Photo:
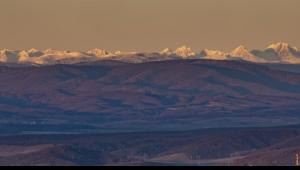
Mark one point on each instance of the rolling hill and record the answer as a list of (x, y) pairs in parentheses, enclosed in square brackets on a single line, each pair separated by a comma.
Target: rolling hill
[(165, 95), (225, 146)]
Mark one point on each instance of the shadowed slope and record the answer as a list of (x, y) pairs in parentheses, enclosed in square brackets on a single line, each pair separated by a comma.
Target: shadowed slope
[(178, 94)]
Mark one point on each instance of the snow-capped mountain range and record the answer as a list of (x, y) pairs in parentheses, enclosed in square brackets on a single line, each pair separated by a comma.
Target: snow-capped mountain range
[(274, 53)]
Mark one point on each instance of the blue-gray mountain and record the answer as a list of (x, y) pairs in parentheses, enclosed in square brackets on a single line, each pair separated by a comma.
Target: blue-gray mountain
[(180, 95)]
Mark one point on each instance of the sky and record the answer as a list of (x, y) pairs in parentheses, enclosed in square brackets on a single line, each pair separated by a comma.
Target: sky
[(147, 25)]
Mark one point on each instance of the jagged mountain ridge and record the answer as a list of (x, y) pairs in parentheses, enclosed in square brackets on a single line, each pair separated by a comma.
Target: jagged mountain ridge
[(274, 53)]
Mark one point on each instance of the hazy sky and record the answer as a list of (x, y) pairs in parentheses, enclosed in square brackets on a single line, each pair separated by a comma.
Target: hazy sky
[(146, 25)]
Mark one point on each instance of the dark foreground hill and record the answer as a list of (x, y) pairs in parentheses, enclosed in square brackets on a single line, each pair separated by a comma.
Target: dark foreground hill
[(235, 146), (168, 95)]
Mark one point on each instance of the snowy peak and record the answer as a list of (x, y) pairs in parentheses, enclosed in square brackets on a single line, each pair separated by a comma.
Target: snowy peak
[(7, 52), (275, 53), (9, 56), (283, 49), (285, 52), (50, 51), (62, 54), (3, 57), (98, 52), (23, 56), (33, 50), (240, 51), (167, 51), (243, 53), (214, 54), (184, 52)]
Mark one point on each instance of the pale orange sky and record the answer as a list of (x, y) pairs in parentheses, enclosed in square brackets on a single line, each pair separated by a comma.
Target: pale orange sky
[(147, 25)]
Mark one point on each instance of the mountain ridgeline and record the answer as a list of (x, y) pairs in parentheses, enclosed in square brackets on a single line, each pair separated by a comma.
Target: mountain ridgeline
[(282, 53)]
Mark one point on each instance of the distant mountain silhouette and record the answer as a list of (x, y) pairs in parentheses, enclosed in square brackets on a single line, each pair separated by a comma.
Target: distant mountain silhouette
[(275, 53)]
